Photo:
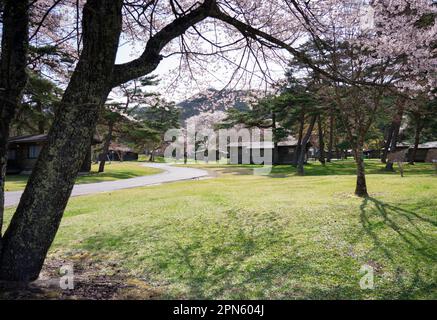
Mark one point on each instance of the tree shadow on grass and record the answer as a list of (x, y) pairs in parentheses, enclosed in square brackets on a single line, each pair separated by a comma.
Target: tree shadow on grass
[(376, 215), (337, 168), (249, 256)]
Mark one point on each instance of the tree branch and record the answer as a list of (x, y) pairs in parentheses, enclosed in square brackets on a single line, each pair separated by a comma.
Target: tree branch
[(150, 58)]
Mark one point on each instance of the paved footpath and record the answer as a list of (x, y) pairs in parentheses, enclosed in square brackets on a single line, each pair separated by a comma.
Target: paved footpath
[(170, 174)]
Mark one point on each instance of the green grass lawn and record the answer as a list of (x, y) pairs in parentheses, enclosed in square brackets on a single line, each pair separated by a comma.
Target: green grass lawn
[(113, 171), (281, 236)]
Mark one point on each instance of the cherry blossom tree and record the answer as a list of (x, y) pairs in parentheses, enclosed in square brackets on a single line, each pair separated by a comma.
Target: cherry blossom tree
[(200, 32), (202, 132)]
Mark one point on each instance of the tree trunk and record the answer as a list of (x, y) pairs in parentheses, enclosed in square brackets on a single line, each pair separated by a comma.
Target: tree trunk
[(36, 221), (300, 168), (13, 77), (106, 146), (152, 156), (417, 133), (361, 187), (41, 120), (331, 136), (86, 164), (299, 140), (321, 141), (275, 142), (387, 144), (396, 124)]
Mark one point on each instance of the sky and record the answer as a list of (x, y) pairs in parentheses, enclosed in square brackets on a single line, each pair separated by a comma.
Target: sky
[(214, 77)]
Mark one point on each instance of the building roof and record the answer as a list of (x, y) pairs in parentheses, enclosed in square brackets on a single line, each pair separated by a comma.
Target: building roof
[(29, 138), (289, 142), (253, 145), (403, 145), (118, 147), (428, 145), (40, 138)]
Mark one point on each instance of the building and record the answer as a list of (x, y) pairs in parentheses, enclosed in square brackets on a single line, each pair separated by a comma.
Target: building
[(120, 152), (426, 152), (23, 152), (243, 151)]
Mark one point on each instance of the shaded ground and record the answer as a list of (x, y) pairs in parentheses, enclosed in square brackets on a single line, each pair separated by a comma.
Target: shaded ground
[(92, 281)]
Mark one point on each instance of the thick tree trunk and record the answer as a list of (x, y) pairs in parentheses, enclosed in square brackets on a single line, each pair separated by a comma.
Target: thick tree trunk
[(361, 186), (36, 221), (418, 131), (331, 136), (321, 141), (300, 167), (300, 137), (106, 147), (13, 78), (396, 124)]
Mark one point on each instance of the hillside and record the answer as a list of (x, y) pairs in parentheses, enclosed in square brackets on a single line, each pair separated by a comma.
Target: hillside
[(214, 100)]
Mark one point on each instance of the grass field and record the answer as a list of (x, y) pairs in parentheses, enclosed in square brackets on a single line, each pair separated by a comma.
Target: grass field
[(281, 236), (113, 171)]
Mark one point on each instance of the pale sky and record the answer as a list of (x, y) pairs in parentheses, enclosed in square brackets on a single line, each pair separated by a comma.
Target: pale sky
[(213, 77)]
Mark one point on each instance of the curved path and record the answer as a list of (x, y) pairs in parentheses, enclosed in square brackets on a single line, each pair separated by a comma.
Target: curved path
[(170, 174)]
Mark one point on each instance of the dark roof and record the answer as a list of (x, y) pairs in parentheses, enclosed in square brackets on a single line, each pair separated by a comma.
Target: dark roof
[(29, 138), (34, 138)]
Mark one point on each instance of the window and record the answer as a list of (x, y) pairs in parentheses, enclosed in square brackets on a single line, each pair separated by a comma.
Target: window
[(34, 151), (12, 154)]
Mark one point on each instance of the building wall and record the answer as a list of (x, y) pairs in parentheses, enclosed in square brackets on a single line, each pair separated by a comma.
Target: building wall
[(431, 155), (22, 162), (421, 155), (285, 154)]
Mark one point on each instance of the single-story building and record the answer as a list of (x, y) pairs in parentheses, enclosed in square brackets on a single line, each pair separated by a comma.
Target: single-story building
[(285, 150), (426, 152), (120, 152), (23, 152)]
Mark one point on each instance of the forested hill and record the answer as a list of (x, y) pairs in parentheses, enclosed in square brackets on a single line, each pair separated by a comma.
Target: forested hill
[(214, 100)]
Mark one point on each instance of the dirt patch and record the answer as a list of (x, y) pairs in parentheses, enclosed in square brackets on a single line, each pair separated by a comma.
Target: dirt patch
[(91, 280)]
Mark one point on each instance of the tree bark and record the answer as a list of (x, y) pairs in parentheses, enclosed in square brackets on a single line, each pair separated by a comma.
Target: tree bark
[(106, 146), (86, 164), (387, 144), (418, 131), (41, 120), (275, 142), (152, 156), (299, 140), (13, 77), (36, 221), (396, 125), (321, 141), (361, 186), (300, 167), (331, 136)]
